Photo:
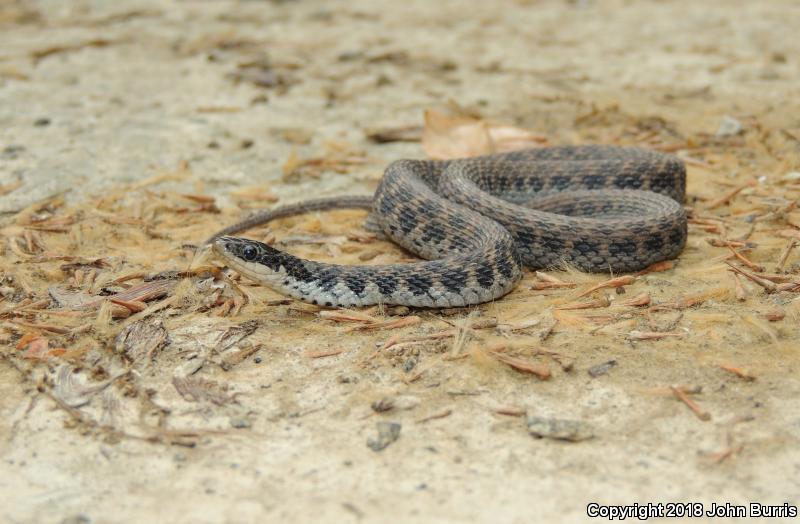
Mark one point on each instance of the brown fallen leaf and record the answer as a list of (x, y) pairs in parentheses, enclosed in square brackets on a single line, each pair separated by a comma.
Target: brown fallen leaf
[(447, 137)]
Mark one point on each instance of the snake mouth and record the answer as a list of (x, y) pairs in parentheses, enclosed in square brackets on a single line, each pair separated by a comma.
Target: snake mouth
[(225, 250), (221, 248)]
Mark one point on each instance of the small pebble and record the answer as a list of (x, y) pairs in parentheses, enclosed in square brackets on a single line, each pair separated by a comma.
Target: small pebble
[(559, 429), (13, 151), (729, 126), (347, 378), (240, 422), (406, 402), (601, 369), (388, 432), (81, 518), (383, 405)]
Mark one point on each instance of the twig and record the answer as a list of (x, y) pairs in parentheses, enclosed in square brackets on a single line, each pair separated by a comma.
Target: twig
[(691, 404), (741, 294), (322, 354), (511, 411), (724, 199), (747, 262), (741, 373), (785, 255), (770, 287), (442, 414), (592, 304), (654, 335)]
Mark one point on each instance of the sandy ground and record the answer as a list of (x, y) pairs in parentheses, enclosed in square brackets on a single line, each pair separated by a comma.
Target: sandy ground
[(124, 105)]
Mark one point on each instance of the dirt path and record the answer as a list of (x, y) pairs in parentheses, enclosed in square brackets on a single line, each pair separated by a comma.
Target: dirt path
[(122, 107)]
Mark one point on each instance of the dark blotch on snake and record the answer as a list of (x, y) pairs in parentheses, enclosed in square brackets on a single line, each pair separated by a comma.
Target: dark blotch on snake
[(621, 247), (594, 181), (419, 285), (654, 243), (485, 276), (387, 284), (454, 279), (355, 284)]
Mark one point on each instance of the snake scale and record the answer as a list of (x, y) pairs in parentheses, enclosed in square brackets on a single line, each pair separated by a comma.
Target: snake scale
[(477, 221)]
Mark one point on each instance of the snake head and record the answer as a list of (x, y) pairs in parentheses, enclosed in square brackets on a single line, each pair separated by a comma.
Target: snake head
[(260, 262)]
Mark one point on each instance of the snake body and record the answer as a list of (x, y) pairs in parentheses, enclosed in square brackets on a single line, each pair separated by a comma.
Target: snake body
[(478, 220)]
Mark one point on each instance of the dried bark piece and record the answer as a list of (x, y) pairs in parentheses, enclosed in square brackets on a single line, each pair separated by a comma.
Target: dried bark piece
[(198, 389), (140, 341)]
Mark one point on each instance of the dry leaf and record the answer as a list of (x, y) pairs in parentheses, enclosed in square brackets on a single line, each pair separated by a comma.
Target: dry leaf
[(459, 137)]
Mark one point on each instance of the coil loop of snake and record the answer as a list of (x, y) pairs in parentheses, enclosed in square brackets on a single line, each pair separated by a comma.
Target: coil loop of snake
[(477, 221)]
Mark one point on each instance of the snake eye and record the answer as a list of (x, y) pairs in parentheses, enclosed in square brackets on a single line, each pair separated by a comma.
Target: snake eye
[(249, 253)]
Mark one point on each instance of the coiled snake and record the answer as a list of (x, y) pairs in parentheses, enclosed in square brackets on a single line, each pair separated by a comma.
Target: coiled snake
[(476, 221)]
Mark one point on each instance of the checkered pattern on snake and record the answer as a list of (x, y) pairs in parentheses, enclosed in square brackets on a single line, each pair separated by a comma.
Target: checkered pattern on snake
[(477, 221)]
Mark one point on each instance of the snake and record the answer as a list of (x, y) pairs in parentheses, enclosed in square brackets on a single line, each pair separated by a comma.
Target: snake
[(477, 222)]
